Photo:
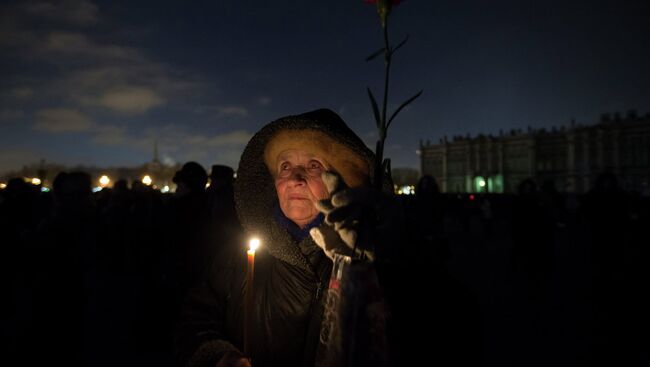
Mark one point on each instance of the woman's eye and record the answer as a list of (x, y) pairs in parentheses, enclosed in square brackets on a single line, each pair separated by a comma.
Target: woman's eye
[(315, 168)]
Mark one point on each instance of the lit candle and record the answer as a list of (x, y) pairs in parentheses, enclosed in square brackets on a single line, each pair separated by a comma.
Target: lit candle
[(248, 305)]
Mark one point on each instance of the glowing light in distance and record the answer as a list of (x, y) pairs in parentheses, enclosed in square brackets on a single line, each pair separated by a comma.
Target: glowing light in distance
[(104, 181)]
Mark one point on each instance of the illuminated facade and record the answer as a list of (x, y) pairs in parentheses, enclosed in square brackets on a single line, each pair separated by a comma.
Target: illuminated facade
[(569, 157)]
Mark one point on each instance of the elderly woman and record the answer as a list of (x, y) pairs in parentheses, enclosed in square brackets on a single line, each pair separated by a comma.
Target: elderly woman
[(280, 183)]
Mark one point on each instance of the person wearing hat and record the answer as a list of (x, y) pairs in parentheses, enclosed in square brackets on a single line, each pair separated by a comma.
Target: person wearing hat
[(283, 194), (221, 197), (224, 224), (191, 225), (190, 179)]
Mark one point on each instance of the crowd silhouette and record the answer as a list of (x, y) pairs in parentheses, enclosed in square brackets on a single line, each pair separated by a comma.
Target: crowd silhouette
[(96, 279), (540, 277)]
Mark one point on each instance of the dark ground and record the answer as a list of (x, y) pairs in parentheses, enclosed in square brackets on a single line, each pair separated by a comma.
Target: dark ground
[(96, 279)]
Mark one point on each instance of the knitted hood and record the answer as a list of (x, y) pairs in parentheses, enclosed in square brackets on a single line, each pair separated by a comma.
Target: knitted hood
[(255, 194)]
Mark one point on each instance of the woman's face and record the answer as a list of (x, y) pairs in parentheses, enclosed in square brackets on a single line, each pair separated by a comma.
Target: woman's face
[(299, 184)]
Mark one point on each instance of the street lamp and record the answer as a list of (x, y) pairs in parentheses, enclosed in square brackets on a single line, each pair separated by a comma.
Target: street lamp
[(104, 181), (147, 180)]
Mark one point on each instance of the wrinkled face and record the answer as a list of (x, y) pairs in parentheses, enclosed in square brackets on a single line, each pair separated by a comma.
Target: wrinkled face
[(299, 184)]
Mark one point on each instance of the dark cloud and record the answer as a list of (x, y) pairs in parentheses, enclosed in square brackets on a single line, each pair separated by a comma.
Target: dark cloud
[(13, 159), (74, 12), (11, 115), (62, 120)]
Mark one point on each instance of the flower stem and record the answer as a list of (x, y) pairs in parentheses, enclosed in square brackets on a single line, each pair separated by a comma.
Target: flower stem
[(383, 128), (387, 58)]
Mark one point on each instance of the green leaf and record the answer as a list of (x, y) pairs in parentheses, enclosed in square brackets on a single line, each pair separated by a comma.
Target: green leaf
[(400, 44), (375, 109), (387, 171), (377, 173), (375, 54), (386, 165), (406, 103)]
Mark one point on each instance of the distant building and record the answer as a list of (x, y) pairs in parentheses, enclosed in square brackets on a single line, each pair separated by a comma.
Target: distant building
[(161, 175), (404, 176), (570, 157)]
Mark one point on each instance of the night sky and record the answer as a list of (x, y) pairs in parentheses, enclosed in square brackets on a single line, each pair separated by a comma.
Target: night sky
[(96, 82)]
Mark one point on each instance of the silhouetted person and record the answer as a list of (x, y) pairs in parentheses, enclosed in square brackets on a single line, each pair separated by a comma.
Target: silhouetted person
[(427, 187), (224, 224), (64, 253), (191, 228), (149, 237), (20, 210), (606, 212), (533, 242), (453, 320), (20, 213), (605, 208), (116, 288), (220, 193), (487, 215), (191, 179), (552, 202), (428, 215), (532, 265)]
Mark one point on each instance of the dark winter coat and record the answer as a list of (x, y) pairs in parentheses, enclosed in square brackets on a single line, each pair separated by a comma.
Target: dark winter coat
[(289, 277)]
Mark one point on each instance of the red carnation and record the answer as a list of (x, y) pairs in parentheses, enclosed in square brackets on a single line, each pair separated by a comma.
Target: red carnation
[(392, 2), (383, 7)]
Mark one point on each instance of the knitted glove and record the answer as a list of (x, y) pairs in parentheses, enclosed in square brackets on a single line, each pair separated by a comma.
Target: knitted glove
[(356, 219)]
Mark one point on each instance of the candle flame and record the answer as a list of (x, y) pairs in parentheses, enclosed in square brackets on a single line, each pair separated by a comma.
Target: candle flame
[(254, 244)]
